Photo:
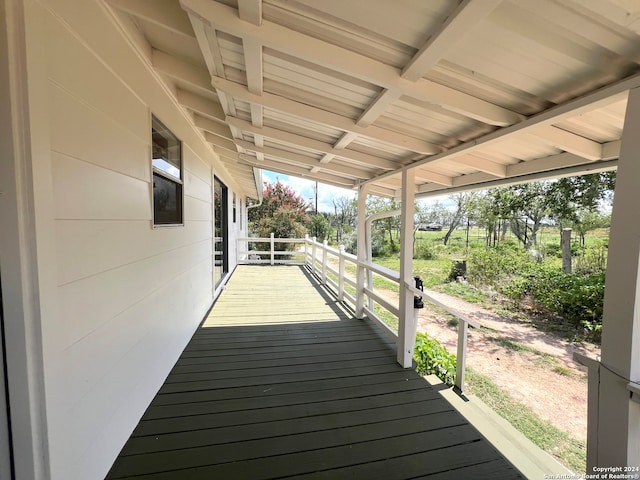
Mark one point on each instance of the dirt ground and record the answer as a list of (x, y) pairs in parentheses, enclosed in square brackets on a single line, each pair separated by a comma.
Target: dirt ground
[(529, 377), (555, 388)]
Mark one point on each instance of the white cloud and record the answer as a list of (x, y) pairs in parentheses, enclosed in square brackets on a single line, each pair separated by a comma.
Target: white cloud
[(306, 189), (327, 193)]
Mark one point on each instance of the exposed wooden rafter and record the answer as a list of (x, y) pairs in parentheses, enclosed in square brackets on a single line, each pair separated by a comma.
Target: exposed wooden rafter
[(457, 25), (348, 62), (597, 99), (311, 144), (324, 117), (429, 101)]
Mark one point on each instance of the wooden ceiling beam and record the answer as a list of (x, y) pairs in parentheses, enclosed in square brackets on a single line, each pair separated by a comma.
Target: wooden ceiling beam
[(311, 144), (219, 129), (170, 17), (324, 117), (303, 172), (422, 174), (199, 104), (586, 103), (250, 11), (347, 62), (552, 162), (196, 78), (219, 142), (303, 160), (458, 25), (484, 165), (569, 142)]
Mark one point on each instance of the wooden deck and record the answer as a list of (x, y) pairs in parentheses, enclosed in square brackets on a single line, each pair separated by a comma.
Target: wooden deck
[(282, 382)]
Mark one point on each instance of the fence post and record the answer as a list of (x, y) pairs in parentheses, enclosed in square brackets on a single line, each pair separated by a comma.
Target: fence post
[(462, 352), (341, 274), (272, 244), (324, 262), (566, 250), (306, 248), (313, 256)]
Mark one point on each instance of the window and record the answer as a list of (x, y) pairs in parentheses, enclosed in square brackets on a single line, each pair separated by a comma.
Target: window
[(167, 175)]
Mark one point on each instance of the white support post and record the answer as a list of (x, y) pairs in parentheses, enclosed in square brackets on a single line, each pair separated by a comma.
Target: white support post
[(618, 425), (324, 262), (362, 248), (407, 323), (272, 249), (341, 274)]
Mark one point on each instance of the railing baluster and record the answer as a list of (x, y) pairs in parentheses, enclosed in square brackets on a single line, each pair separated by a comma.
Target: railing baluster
[(306, 248), (313, 256), (272, 247), (366, 268), (461, 360), (324, 262), (341, 274)]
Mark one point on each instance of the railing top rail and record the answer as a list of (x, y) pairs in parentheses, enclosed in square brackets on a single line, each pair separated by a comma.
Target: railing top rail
[(275, 239), (448, 309), (586, 360), (384, 271), (351, 257)]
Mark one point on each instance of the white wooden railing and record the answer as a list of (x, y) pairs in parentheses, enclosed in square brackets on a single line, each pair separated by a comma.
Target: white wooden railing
[(321, 259)]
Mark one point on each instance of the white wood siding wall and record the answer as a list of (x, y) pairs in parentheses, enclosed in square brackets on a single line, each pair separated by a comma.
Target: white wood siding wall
[(124, 298)]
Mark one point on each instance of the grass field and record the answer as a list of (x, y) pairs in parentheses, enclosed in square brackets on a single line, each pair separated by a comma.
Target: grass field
[(459, 239)]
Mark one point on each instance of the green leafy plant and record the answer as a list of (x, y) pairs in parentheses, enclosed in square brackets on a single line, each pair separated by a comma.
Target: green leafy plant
[(434, 359), (425, 252)]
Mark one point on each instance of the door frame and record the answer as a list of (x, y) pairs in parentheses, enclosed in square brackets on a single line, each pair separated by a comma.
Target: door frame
[(23, 136), (224, 233), (7, 468)]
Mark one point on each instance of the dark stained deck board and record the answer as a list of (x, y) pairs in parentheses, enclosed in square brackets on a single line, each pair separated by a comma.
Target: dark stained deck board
[(231, 363), (263, 428), (284, 383), (248, 403), (197, 375), (295, 412)]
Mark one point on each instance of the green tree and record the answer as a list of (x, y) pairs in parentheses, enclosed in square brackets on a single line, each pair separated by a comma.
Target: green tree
[(586, 220), (388, 224), (344, 217), (462, 203), (282, 212), (319, 226), (276, 196), (486, 214), (282, 224), (568, 196), (528, 204)]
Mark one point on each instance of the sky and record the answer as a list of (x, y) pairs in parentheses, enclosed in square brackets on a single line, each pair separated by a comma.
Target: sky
[(326, 193), (305, 188)]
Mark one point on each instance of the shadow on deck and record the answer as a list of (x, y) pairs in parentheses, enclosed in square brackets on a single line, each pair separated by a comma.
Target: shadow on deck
[(281, 381)]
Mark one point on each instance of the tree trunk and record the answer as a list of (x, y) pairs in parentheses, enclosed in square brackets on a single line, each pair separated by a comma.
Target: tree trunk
[(448, 234)]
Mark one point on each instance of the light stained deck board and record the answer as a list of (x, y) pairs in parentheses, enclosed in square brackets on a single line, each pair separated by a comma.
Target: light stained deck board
[(286, 383)]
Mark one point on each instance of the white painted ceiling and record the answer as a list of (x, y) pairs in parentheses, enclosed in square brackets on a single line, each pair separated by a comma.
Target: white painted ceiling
[(469, 94)]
